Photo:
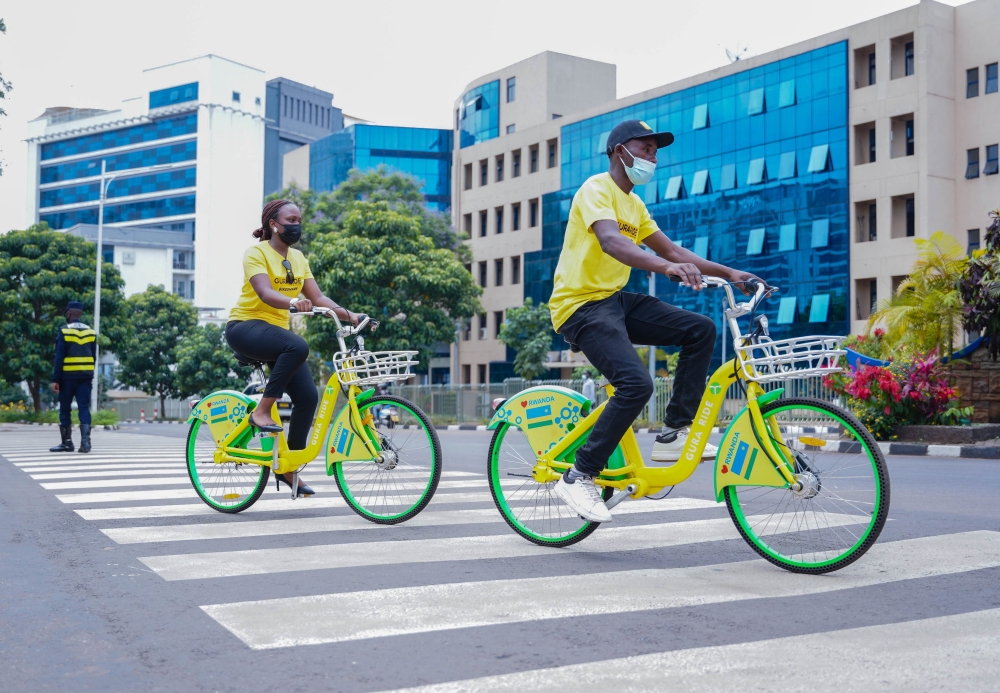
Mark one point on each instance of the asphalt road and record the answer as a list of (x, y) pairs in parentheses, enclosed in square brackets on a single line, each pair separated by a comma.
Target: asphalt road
[(140, 587)]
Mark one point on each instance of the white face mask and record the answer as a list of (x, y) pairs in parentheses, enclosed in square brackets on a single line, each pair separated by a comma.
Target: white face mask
[(641, 171)]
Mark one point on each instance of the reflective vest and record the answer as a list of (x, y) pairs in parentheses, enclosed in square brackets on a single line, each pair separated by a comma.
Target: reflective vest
[(75, 347)]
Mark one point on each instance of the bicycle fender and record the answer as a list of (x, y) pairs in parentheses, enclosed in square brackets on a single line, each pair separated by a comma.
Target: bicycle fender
[(741, 461), (545, 414), (222, 411), (343, 444)]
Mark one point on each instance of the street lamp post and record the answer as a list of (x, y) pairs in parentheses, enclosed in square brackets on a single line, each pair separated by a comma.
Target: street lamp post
[(105, 184)]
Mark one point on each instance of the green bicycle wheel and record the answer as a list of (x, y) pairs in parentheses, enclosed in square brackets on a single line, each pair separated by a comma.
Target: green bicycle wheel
[(843, 502), (401, 484), (530, 508), (228, 487)]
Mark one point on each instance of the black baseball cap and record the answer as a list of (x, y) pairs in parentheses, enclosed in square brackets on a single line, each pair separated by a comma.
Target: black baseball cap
[(632, 129), (74, 305)]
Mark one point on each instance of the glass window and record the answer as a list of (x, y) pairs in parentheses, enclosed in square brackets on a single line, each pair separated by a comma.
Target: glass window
[(497, 320), (482, 224), (533, 213), (159, 129), (873, 222), (479, 114), (819, 158), (136, 158), (515, 270), (484, 172), (533, 159), (786, 93), (700, 117), (482, 283), (973, 236), (972, 83), (755, 243), (991, 160), (515, 216), (552, 153), (908, 59), (972, 163), (991, 78), (498, 272), (648, 193), (467, 176), (787, 168), (113, 214), (909, 138), (820, 308), (820, 233), (511, 86), (786, 237), (701, 184), (757, 172), (499, 173), (911, 217), (756, 103), (701, 247), (172, 95), (675, 188), (499, 219), (786, 310), (236, 97), (108, 253), (510, 129), (515, 163), (871, 146), (871, 68), (728, 181)]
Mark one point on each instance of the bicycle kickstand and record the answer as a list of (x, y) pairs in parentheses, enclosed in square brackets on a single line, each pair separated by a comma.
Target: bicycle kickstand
[(295, 484)]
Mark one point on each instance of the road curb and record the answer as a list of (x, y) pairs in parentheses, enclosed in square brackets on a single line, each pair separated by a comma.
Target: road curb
[(919, 450)]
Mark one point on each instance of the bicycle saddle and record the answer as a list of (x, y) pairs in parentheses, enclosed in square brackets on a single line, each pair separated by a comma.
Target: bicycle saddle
[(244, 361)]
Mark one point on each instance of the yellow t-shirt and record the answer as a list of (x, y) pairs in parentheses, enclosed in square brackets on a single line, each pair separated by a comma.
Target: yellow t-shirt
[(263, 259), (585, 272)]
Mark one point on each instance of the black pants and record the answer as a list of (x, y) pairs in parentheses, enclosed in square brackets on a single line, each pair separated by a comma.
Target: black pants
[(605, 331), (285, 354), (80, 389)]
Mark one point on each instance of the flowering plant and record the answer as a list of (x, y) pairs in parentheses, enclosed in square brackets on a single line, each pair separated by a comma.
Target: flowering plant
[(914, 391), (872, 345)]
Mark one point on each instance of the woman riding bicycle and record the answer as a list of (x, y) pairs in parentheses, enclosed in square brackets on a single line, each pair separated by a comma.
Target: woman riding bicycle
[(274, 276)]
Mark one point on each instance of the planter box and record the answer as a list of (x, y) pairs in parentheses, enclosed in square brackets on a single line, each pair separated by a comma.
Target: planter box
[(948, 435)]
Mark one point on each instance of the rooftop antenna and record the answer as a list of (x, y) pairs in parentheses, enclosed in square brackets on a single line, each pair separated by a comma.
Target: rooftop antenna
[(737, 54)]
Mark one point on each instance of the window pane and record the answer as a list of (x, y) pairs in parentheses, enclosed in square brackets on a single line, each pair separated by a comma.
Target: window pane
[(675, 187), (701, 184), (700, 117), (757, 173), (787, 169), (972, 83), (991, 78), (972, 163), (728, 181), (819, 158), (602, 143), (786, 310), (755, 244), (756, 104), (819, 308), (786, 93), (786, 237), (648, 193), (701, 247), (991, 160), (821, 233)]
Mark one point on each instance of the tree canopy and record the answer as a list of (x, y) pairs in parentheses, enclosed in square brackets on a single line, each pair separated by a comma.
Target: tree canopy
[(980, 288), (383, 264), (528, 331), (324, 212), (40, 272), (160, 321), (205, 363)]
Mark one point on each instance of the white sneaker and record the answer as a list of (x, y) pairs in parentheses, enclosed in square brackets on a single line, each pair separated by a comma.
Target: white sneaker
[(584, 498), (664, 451)]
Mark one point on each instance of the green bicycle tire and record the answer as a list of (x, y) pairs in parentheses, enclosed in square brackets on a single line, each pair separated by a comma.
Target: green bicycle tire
[(207, 476), (743, 501), (371, 481), (576, 528)]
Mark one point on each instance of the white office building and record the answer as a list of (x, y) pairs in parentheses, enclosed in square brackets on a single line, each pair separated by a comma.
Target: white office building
[(188, 159)]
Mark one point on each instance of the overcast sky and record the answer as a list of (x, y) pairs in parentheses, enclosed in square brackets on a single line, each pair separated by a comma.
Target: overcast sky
[(397, 63)]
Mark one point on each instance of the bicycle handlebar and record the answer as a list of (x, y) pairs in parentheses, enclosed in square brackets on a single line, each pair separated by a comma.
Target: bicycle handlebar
[(761, 291), (346, 331)]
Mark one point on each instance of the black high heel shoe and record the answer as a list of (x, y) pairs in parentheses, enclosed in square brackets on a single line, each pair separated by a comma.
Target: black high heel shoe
[(303, 489), (273, 428)]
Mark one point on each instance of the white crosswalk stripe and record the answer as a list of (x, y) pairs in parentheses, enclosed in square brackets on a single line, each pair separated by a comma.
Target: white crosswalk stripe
[(138, 494)]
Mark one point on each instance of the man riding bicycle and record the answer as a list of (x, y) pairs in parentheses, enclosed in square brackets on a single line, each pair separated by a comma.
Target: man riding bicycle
[(607, 222)]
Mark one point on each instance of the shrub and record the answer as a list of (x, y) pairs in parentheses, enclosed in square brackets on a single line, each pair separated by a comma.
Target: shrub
[(873, 345), (908, 392)]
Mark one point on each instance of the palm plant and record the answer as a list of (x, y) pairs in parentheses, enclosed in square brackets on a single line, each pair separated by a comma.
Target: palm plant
[(925, 312)]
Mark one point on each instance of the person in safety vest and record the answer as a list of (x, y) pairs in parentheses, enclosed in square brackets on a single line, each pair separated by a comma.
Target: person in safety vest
[(76, 345)]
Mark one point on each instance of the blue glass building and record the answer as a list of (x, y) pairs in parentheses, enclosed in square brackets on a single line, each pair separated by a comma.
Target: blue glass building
[(757, 179), (421, 152)]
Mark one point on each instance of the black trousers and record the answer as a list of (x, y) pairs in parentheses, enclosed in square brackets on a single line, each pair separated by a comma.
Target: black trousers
[(605, 331), (285, 354), (80, 389)]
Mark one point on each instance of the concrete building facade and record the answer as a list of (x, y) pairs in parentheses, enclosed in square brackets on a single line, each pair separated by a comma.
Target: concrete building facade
[(891, 120)]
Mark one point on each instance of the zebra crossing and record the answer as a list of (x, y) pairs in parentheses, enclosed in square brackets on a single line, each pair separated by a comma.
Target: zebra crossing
[(457, 568)]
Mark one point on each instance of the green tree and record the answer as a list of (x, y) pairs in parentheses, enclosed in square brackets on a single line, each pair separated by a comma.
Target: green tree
[(40, 272), (528, 331), (980, 288), (327, 212), (5, 85), (160, 320), (382, 264), (925, 312), (205, 363)]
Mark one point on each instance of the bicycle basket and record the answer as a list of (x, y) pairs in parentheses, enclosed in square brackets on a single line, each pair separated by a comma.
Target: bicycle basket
[(789, 359), (373, 367)]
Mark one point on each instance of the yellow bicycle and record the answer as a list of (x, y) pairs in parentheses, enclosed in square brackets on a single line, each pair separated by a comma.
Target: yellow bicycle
[(804, 480), (385, 475)]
